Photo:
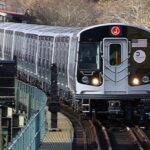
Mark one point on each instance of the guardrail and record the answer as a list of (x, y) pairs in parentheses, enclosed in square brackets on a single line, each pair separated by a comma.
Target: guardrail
[(34, 100)]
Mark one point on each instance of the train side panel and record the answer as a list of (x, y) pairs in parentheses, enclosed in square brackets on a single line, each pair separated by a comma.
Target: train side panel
[(60, 57), (72, 63), (1, 42)]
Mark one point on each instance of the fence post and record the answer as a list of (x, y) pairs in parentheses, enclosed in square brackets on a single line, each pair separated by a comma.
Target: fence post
[(17, 99), (37, 128), (29, 106)]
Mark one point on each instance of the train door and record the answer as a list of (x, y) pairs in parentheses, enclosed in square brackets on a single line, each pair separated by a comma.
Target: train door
[(115, 58)]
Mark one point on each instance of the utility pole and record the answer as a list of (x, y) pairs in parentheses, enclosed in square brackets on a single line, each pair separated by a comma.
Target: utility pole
[(53, 102), (1, 131)]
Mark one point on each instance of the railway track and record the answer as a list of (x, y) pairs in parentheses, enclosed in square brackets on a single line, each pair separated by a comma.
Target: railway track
[(84, 130), (89, 136), (143, 138), (122, 138)]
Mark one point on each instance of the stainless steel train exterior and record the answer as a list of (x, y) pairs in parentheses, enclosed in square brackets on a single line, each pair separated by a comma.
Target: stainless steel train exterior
[(103, 68)]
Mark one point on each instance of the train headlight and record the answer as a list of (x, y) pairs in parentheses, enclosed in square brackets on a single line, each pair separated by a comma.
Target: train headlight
[(85, 79), (145, 79), (96, 81), (135, 81)]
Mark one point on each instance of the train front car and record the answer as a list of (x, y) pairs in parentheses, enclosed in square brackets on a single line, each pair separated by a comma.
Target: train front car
[(113, 71)]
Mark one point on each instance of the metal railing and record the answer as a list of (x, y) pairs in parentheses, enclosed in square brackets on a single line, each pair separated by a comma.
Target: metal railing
[(34, 100)]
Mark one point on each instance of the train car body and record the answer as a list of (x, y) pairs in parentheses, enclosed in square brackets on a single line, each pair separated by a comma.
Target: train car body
[(104, 68)]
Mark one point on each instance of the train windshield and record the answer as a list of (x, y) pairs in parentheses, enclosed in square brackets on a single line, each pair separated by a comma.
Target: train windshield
[(89, 56)]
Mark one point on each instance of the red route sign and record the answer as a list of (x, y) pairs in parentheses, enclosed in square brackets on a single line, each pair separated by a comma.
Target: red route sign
[(115, 30)]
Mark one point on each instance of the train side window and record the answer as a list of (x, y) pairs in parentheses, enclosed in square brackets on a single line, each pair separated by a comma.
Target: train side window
[(16, 43), (27, 47), (40, 51), (1, 41), (47, 63), (44, 51), (66, 49), (51, 49), (115, 54), (39, 62), (20, 45), (32, 45), (43, 63), (8, 44), (32, 49)]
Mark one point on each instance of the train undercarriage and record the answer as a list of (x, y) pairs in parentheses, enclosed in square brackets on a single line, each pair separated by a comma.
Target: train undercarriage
[(137, 109)]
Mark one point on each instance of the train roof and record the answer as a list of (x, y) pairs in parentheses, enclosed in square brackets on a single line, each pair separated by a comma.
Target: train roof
[(110, 24), (55, 30), (40, 29)]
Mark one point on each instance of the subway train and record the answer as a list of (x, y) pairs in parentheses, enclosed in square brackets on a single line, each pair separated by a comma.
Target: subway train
[(102, 68)]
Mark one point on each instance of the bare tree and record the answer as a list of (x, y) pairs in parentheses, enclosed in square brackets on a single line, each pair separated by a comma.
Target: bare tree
[(126, 11), (89, 12), (65, 13)]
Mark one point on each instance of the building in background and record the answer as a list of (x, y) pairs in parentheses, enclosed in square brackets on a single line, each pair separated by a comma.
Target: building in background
[(11, 12), (11, 5)]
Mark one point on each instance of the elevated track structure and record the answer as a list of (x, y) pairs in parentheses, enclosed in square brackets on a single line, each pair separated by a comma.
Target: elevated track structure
[(34, 101)]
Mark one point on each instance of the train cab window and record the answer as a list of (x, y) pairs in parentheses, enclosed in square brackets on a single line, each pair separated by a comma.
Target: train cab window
[(89, 56), (115, 54)]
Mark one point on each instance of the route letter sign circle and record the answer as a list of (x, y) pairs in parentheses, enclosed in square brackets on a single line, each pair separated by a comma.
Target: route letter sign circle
[(115, 30)]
